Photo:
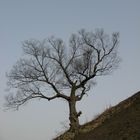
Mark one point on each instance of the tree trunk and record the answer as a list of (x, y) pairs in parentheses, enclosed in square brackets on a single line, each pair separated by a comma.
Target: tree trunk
[(73, 116)]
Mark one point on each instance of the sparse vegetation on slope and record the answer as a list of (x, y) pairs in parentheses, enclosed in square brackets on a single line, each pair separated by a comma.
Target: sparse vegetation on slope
[(121, 122)]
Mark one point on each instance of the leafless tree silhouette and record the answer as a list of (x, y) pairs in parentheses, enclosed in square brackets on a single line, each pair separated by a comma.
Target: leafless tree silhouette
[(50, 69)]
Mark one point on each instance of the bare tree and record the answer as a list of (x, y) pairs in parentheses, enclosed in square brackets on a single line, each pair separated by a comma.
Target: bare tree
[(50, 69)]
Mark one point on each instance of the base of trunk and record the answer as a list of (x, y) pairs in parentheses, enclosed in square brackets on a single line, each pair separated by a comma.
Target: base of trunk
[(74, 123), (74, 127)]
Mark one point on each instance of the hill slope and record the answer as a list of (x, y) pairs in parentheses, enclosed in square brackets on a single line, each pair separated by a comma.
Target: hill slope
[(121, 122)]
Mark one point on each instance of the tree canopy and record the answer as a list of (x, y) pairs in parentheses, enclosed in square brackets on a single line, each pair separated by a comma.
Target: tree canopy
[(53, 69)]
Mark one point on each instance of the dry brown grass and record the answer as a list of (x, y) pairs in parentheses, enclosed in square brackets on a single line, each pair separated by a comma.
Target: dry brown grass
[(121, 122)]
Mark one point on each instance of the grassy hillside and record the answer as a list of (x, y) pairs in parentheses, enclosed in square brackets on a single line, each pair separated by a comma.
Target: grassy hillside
[(121, 122)]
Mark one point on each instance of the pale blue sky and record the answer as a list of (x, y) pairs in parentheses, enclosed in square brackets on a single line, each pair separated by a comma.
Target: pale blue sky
[(26, 19)]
